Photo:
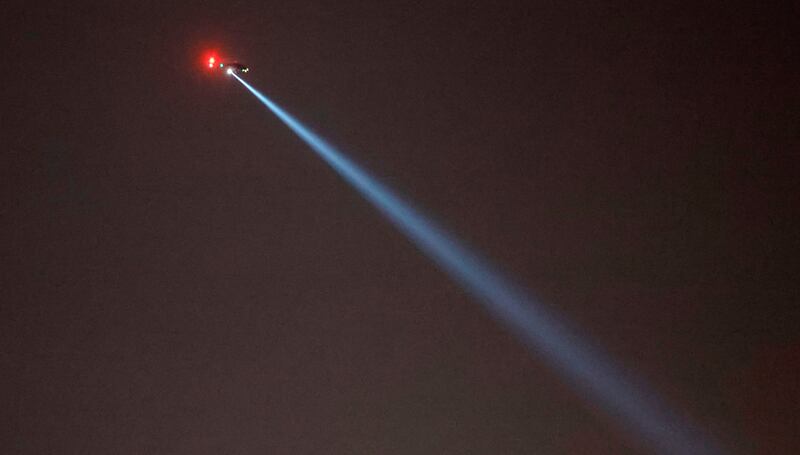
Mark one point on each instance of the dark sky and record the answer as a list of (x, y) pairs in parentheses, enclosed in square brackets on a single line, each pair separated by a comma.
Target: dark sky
[(181, 275)]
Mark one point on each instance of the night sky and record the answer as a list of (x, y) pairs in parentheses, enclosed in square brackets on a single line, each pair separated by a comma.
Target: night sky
[(180, 274)]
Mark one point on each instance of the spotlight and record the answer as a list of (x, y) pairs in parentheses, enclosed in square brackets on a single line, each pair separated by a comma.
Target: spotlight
[(585, 367)]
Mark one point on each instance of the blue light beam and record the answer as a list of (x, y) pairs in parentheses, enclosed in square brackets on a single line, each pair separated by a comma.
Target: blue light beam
[(587, 369)]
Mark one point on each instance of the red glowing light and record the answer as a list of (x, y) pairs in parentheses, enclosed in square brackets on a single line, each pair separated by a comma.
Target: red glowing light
[(210, 59)]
